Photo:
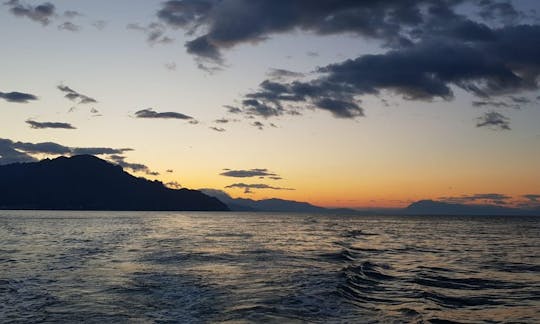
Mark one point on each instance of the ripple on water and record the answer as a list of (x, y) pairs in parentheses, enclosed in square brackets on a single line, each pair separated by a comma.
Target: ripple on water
[(249, 267)]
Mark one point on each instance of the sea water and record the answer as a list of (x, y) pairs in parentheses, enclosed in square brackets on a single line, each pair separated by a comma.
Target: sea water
[(187, 267)]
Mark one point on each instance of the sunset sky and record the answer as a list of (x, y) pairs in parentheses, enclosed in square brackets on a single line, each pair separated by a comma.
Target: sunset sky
[(337, 103)]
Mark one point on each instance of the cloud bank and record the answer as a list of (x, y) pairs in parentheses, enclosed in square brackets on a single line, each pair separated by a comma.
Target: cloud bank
[(487, 48)]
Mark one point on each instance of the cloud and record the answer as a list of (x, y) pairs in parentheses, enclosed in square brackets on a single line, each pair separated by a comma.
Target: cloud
[(21, 152), (504, 11), (261, 173), (281, 74), (493, 120), (8, 154), (12, 152), (496, 104), (424, 71), (532, 197), (69, 26), (136, 167), (233, 110), (41, 13), (150, 113), (531, 201), (258, 124), (155, 33), (173, 185), (520, 100), (218, 129), (432, 48), (18, 97), (72, 14), (98, 150), (39, 148), (74, 95), (43, 125), (231, 22), (491, 198), (248, 187)]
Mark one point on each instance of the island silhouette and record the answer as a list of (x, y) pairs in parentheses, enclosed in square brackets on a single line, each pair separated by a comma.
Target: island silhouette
[(85, 182)]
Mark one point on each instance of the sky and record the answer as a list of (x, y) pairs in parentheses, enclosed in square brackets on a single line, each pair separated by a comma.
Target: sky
[(337, 103)]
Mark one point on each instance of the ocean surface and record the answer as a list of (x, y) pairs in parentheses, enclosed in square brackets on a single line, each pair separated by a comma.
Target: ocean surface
[(266, 267)]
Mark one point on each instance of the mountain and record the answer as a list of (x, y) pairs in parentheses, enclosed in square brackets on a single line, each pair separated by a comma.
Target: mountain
[(270, 205), (431, 207), (85, 182)]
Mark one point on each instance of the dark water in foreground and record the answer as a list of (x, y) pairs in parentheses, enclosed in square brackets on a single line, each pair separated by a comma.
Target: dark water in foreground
[(208, 267)]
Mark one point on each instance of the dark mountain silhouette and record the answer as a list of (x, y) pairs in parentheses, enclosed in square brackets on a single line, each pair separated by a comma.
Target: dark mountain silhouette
[(270, 205), (85, 182), (431, 207)]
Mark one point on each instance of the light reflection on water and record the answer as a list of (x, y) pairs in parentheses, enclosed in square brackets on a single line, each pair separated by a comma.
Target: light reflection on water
[(252, 267)]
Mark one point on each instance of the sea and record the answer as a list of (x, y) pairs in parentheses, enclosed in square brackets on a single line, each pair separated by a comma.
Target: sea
[(196, 267)]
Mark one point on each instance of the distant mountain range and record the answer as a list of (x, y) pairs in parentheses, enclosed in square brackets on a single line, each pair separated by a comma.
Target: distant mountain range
[(422, 207), (85, 182), (267, 205), (431, 207)]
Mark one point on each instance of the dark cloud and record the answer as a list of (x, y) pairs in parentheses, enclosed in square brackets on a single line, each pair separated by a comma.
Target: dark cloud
[(496, 104), (262, 173), (502, 10), (222, 121), (248, 187), (432, 48), (18, 97), (169, 170), (155, 33), (74, 95), (69, 26), (173, 185), (233, 110), (136, 167), (41, 13), (220, 25), (43, 125), (8, 153), (281, 74), (150, 113), (218, 129), (13, 152), (493, 120), (232, 22), (424, 71), (98, 150), (491, 198), (41, 148), (312, 54), (258, 124), (520, 100)]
